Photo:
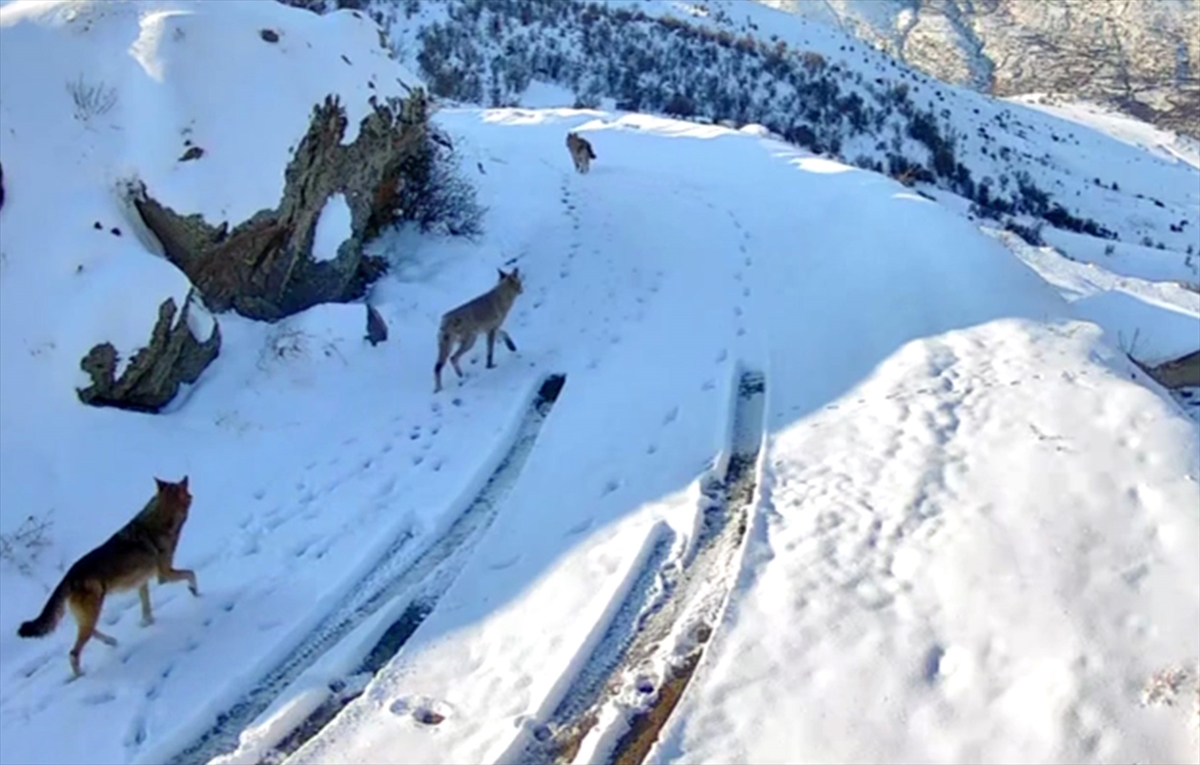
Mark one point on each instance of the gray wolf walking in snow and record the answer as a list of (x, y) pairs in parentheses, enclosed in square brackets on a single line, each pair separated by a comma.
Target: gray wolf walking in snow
[(581, 152), (482, 314)]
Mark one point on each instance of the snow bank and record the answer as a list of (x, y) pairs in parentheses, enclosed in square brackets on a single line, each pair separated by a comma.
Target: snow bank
[(882, 321), (937, 427), (333, 228), (984, 552)]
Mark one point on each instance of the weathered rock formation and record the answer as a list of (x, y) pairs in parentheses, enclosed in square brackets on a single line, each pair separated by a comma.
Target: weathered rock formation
[(263, 267), (1181, 373), (377, 331), (173, 356)]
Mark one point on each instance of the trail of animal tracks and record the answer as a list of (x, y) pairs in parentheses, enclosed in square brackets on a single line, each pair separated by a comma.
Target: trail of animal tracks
[(625, 691), (414, 578)]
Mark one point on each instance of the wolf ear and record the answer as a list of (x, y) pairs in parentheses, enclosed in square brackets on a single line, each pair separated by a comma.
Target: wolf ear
[(514, 273), (160, 483), (502, 274), (183, 483)]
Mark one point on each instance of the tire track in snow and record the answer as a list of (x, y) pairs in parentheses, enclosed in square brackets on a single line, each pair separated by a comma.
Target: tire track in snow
[(422, 581), (629, 684)]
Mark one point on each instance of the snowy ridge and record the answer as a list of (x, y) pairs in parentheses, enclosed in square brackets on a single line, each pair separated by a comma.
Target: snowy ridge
[(664, 618), (416, 579), (957, 525)]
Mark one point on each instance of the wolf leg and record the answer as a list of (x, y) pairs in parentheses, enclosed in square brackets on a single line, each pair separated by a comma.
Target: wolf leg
[(167, 574), (85, 605), (467, 343), (508, 341), (144, 596)]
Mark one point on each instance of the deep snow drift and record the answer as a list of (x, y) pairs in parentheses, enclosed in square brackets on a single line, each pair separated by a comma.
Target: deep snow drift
[(974, 531)]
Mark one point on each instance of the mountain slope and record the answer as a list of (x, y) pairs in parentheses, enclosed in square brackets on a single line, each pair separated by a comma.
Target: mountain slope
[(749, 381), (812, 85), (1140, 57), (902, 354)]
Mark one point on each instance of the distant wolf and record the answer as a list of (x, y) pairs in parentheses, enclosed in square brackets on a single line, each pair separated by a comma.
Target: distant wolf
[(581, 152), (143, 548), (482, 314)]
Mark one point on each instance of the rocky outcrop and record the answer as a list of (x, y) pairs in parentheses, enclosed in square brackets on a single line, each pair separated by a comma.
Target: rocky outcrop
[(173, 357), (377, 331), (1138, 56), (263, 268), (1183, 372)]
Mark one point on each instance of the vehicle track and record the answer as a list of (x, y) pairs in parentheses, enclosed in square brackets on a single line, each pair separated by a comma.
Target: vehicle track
[(421, 580), (616, 706)]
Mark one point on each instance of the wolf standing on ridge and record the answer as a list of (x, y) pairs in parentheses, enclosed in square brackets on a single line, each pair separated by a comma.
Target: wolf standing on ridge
[(581, 152), (482, 314), (142, 548)]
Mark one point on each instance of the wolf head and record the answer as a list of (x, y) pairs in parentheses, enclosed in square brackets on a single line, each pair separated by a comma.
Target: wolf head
[(174, 495), (511, 281)]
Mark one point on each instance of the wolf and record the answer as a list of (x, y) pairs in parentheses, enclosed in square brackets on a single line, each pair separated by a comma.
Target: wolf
[(143, 548), (482, 314), (581, 152)]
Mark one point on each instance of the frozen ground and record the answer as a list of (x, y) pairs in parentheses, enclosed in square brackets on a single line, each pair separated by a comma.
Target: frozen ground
[(791, 459)]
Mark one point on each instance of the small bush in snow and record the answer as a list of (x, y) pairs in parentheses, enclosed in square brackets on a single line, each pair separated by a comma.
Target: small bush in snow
[(91, 99), (22, 547), (1031, 234), (434, 196)]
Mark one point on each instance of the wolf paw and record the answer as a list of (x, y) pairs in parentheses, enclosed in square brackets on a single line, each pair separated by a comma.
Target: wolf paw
[(146, 621)]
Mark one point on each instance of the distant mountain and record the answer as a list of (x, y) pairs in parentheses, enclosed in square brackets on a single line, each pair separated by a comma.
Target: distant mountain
[(1140, 56)]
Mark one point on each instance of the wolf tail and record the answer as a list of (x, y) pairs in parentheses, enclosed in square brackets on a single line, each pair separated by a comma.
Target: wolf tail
[(591, 153), (48, 619)]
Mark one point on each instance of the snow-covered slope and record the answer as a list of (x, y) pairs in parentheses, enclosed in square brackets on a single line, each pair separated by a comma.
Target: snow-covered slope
[(813, 84), (917, 500), (1137, 56), (820, 437)]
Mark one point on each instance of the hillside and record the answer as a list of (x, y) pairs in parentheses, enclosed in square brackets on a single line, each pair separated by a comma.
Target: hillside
[(810, 84), (792, 461), (1135, 56)]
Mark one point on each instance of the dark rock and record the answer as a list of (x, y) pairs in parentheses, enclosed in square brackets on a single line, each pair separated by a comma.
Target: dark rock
[(96, 225), (194, 152), (263, 267), (270, 35), (152, 378), (377, 331), (1178, 373), (115, 231)]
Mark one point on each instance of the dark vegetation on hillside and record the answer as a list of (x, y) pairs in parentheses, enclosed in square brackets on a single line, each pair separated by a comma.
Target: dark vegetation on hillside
[(489, 51)]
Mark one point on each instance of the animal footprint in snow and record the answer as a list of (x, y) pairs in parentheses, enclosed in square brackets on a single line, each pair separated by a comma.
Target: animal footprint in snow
[(250, 546), (722, 355), (580, 527), (96, 699), (424, 710), (671, 415), (610, 486)]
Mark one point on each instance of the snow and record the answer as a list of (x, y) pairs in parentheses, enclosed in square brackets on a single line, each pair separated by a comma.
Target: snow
[(950, 583), (973, 534), (1161, 143), (333, 228), (1153, 321)]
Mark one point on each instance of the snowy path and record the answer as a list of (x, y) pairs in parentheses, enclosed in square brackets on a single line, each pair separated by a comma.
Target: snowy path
[(948, 525)]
